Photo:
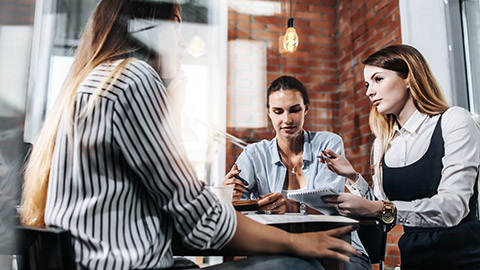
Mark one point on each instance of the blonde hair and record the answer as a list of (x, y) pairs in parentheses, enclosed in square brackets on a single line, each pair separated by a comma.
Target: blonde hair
[(105, 39), (427, 96)]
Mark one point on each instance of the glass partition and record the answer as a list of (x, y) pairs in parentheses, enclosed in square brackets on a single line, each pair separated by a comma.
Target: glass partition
[(199, 100), (16, 27)]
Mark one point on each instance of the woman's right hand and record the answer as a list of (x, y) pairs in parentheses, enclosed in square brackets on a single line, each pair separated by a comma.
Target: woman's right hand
[(325, 244), (257, 238), (238, 186), (338, 164)]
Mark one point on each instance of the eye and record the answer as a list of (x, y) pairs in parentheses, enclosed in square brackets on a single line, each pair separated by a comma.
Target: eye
[(295, 110), (277, 111), (378, 79), (367, 85)]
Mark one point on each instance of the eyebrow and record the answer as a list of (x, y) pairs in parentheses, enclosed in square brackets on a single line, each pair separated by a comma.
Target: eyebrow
[(375, 73), (291, 107)]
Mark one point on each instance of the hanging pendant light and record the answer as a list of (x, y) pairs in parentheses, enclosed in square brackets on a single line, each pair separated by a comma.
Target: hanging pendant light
[(288, 43), (196, 47)]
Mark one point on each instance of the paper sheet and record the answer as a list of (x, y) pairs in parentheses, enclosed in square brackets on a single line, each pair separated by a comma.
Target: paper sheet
[(298, 218)]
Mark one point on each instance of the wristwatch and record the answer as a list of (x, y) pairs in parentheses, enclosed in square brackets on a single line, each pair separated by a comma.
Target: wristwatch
[(302, 208), (388, 214)]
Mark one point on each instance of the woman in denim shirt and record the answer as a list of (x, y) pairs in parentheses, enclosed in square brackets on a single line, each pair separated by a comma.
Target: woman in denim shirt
[(288, 162)]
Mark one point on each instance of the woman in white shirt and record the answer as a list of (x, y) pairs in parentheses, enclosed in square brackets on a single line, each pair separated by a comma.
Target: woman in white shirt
[(425, 158)]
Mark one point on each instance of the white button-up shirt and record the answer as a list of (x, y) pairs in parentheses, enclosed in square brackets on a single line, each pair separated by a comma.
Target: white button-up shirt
[(460, 168)]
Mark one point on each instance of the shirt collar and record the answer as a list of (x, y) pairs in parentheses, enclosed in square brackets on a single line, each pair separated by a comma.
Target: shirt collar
[(307, 148), (413, 123)]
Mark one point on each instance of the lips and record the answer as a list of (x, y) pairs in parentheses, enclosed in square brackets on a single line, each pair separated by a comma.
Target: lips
[(376, 102), (289, 128)]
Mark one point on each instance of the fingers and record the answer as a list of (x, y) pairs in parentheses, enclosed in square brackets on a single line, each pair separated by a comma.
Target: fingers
[(269, 198), (329, 153), (338, 248), (326, 156), (334, 199), (328, 244), (273, 202), (231, 180), (342, 230)]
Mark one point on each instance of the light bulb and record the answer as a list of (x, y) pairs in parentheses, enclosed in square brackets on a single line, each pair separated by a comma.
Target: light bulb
[(289, 41), (196, 47)]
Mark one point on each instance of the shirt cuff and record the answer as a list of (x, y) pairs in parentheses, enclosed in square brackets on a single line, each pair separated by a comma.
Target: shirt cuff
[(360, 188), (405, 217)]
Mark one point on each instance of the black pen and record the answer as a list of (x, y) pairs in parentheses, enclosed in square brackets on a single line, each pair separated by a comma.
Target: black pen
[(322, 157), (241, 179)]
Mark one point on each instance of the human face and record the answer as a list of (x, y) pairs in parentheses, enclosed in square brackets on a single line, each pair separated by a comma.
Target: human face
[(163, 36), (388, 91), (171, 47), (287, 112)]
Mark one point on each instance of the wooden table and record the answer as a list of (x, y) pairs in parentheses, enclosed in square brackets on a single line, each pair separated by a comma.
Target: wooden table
[(294, 223)]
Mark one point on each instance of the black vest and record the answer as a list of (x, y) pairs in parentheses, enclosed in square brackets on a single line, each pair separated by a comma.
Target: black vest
[(421, 179), (454, 248)]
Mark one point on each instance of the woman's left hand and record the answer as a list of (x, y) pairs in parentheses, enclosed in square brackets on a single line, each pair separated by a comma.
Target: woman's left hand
[(277, 204), (348, 204)]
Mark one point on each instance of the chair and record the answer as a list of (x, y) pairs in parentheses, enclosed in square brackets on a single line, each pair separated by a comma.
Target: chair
[(373, 235), (46, 248)]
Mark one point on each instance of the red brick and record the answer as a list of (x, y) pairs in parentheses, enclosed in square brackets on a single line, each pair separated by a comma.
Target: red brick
[(267, 20), (308, 31), (389, 8), (308, 15), (322, 9), (321, 24)]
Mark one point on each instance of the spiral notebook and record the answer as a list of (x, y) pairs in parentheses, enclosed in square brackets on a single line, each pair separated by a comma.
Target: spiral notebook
[(313, 198)]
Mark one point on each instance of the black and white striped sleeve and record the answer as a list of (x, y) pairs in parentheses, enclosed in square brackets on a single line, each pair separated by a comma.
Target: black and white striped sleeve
[(146, 133)]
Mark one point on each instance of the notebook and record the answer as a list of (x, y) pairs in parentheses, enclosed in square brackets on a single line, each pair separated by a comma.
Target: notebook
[(313, 198)]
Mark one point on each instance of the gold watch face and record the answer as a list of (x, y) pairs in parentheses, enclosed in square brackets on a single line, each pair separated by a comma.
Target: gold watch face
[(387, 217)]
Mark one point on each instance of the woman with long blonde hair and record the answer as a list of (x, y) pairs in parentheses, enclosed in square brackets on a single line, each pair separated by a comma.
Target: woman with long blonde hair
[(107, 165), (426, 157)]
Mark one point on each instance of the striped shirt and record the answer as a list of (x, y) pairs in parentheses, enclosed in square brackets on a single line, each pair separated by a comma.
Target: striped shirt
[(121, 184)]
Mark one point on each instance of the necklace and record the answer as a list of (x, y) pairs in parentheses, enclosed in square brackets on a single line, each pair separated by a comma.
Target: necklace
[(293, 171)]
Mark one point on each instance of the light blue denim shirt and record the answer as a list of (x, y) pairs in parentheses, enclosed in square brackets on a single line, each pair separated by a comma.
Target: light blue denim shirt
[(261, 166)]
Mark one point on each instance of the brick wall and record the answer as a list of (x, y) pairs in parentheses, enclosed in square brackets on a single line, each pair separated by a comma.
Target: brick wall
[(335, 35), (362, 28)]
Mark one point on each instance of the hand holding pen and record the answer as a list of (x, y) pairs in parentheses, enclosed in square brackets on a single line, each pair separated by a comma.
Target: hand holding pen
[(239, 184), (337, 164)]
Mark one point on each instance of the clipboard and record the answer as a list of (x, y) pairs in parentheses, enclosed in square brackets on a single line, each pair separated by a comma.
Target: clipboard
[(246, 205)]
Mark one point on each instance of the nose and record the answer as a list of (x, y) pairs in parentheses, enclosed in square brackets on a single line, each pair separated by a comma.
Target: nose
[(370, 91), (287, 118)]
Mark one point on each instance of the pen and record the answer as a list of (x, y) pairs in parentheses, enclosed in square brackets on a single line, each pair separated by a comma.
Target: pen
[(322, 157), (241, 179), (323, 151)]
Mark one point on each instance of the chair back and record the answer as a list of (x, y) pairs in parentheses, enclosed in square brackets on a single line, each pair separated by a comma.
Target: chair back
[(374, 240), (47, 248)]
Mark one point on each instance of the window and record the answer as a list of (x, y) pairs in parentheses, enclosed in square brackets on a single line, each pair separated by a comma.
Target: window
[(471, 30)]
